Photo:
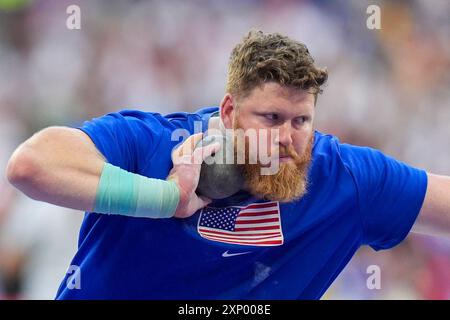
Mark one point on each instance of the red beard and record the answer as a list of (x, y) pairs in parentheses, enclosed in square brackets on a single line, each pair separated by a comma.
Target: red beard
[(287, 184)]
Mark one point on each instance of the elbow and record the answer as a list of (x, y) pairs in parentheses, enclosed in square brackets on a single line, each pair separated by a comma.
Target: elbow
[(22, 167), (27, 161)]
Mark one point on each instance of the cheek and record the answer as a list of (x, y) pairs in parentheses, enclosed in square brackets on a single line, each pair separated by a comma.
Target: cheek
[(266, 141), (259, 142), (300, 143)]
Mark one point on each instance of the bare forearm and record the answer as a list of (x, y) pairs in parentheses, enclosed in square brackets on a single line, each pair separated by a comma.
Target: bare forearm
[(434, 217), (57, 165)]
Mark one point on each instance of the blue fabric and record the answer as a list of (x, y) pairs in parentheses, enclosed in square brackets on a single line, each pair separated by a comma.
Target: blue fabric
[(357, 196)]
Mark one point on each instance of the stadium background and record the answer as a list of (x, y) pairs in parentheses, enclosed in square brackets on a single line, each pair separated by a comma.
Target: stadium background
[(388, 89)]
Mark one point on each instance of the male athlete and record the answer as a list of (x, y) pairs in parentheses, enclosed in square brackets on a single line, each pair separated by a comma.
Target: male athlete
[(147, 234)]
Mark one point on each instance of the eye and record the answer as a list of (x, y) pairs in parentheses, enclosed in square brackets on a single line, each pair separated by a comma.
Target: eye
[(272, 116), (301, 120)]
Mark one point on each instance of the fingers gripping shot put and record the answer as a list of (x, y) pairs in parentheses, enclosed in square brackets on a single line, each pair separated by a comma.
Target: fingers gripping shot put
[(171, 219), (187, 160)]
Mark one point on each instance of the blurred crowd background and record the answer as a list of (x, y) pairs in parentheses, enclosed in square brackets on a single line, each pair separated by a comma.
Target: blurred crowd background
[(388, 89)]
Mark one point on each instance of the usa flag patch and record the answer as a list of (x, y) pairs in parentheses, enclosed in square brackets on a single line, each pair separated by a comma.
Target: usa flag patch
[(257, 224)]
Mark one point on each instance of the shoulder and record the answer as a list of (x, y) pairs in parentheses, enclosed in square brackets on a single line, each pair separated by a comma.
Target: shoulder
[(191, 121), (324, 143), (325, 152), (327, 147), (334, 159)]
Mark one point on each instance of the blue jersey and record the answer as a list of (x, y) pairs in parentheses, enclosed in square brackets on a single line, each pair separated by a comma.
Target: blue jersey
[(240, 247)]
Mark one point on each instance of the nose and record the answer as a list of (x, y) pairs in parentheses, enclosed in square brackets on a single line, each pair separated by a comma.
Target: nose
[(285, 134)]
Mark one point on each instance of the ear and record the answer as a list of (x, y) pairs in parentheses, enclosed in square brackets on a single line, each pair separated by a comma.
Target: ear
[(227, 109)]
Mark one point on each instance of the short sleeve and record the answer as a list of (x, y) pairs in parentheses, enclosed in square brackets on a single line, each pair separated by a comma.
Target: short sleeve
[(390, 194), (126, 139)]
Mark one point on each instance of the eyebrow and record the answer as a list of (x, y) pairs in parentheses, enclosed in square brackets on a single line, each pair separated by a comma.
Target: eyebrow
[(281, 112)]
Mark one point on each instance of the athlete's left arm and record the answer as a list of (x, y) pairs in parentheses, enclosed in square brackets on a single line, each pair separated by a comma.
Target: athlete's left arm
[(434, 216)]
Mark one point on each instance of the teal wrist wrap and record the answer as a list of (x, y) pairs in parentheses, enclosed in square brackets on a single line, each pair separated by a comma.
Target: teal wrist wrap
[(125, 193)]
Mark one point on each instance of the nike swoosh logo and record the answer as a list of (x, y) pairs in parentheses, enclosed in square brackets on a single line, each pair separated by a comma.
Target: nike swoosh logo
[(227, 255)]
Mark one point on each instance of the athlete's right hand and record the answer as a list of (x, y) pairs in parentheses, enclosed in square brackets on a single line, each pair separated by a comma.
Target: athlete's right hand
[(187, 162)]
